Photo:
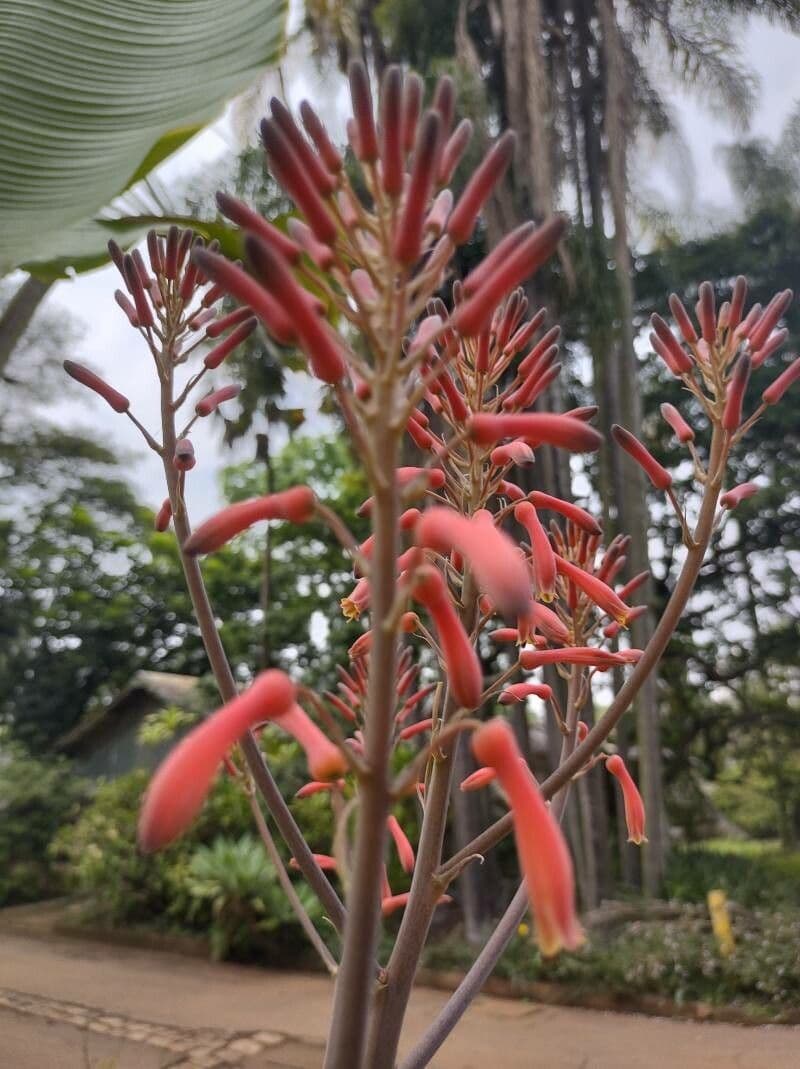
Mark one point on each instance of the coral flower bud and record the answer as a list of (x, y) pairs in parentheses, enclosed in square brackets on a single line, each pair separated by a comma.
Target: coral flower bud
[(325, 761), (497, 256), (362, 111), (419, 728), (295, 505), (510, 490), (676, 357), (685, 325), (478, 779), (634, 806), (738, 297), (769, 319), (588, 655), (323, 350), (319, 787), (218, 326), (771, 345), (405, 850), (323, 861), (412, 105), (520, 263), (734, 397), (633, 585), (656, 473), (494, 165), (316, 131), (184, 458), (778, 388), (440, 212), (518, 692), (408, 235), (127, 307), (320, 177), (248, 219), (580, 517), (85, 377), (543, 427), (540, 618), (392, 131), (543, 558), (596, 590), (163, 516), (542, 850), (288, 169), (454, 149), (731, 498), (211, 402), (215, 357), (133, 280), (182, 781), (245, 289), (498, 566), (462, 666), (512, 453), (683, 432)]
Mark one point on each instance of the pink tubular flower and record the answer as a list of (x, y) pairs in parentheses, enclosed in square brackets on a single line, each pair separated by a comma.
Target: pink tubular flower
[(211, 402), (778, 388), (497, 565), (671, 416), (119, 402), (706, 312), (163, 516), (357, 601), (419, 728), (596, 590), (734, 398), (295, 505), (462, 666), (325, 761), (540, 618), (656, 473), (543, 427), (731, 498), (544, 561), (541, 847), (580, 517), (589, 655), (391, 903), (478, 189), (319, 787), (478, 779), (405, 851), (769, 319), (518, 692), (670, 350), (182, 781), (634, 806), (324, 861), (512, 453), (427, 152)]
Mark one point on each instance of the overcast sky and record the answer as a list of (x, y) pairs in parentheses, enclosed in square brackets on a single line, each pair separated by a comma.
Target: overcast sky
[(117, 352)]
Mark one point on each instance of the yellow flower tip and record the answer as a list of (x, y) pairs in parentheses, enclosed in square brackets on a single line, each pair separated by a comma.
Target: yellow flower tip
[(523, 930), (638, 839), (349, 609)]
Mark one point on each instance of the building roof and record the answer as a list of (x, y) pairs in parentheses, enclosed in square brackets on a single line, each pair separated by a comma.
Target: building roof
[(169, 688)]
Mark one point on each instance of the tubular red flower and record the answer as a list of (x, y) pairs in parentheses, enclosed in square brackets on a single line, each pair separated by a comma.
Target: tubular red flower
[(520, 263), (211, 402), (769, 319), (706, 312), (634, 806), (405, 851), (734, 398), (771, 345), (542, 850), (478, 779), (324, 861), (232, 319), (320, 176), (731, 498), (295, 505), (182, 781), (391, 903), (540, 618), (163, 516), (633, 585), (497, 256), (683, 432), (362, 111), (518, 452), (518, 692), (288, 169), (408, 234), (321, 255), (248, 219), (319, 787), (543, 557), (119, 402), (656, 473), (462, 666), (596, 590), (437, 217), (738, 297), (542, 427), (510, 490), (325, 761), (133, 280), (580, 517), (392, 131), (357, 601), (494, 165), (316, 131), (215, 357), (454, 149), (245, 289), (126, 306), (412, 105), (685, 325), (419, 728), (778, 388), (184, 458), (673, 354), (498, 566), (589, 655)]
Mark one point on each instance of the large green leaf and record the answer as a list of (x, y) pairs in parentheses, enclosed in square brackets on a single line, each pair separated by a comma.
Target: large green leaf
[(95, 93)]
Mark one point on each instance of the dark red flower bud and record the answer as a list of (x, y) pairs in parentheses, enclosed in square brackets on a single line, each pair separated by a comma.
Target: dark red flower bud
[(544, 427), (494, 165), (155, 252), (184, 458), (127, 307), (656, 473), (734, 397), (497, 256), (232, 319), (319, 135), (520, 263), (775, 392), (211, 402), (706, 312), (454, 149), (362, 111), (171, 254), (392, 131), (163, 516), (320, 177), (289, 171), (238, 212), (408, 235), (144, 312), (214, 358), (738, 297), (685, 325), (413, 90), (769, 319), (678, 360), (244, 288), (85, 377), (322, 255)]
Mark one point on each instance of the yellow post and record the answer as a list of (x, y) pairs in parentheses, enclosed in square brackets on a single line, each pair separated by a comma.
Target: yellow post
[(721, 922)]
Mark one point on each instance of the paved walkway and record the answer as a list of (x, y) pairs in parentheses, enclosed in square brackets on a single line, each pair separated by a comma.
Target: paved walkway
[(68, 1004)]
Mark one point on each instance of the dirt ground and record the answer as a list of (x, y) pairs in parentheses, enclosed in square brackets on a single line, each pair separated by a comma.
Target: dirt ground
[(70, 1004)]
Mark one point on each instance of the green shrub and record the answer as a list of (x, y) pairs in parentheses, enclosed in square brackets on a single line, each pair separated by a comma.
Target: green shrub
[(37, 797), (754, 878)]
